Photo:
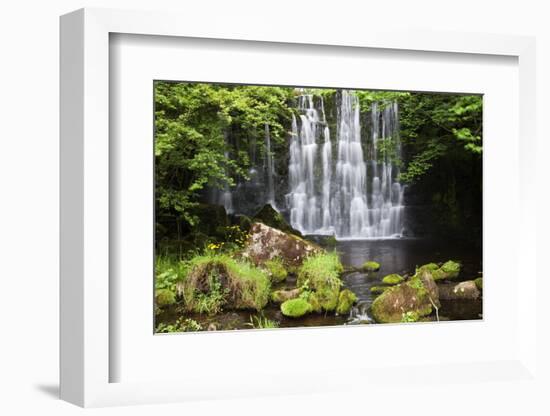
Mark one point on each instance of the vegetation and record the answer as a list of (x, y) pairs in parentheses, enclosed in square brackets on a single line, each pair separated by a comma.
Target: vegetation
[(276, 270), (217, 281), (261, 322), (346, 299), (371, 266), (321, 274), (295, 308), (392, 279), (181, 325)]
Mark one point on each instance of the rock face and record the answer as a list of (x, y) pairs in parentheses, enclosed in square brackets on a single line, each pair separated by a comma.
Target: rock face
[(462, 290), (266, 243), (270, 217), (415, 297)]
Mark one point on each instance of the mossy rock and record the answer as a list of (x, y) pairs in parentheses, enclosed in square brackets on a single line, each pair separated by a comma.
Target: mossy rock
[(479, 283), (216, 282), (413, 298), (346, 299), (377, 290), (321, 274), (370, 266), (393, 279), (280, 296), (266, 243), (451, 268), (165, 297), (269, 216), (313, 300), (295, 308), (276, 270)]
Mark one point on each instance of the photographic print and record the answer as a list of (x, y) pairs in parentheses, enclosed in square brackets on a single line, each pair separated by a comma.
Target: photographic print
[(279, 207)]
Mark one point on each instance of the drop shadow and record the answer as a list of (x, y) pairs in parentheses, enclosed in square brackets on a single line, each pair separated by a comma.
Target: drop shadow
[(51, 390)]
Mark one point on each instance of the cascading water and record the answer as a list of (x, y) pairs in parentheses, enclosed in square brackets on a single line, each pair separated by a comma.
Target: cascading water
[(336, 197)]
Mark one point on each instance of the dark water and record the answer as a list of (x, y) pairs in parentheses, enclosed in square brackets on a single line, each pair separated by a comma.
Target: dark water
[(400, 256)]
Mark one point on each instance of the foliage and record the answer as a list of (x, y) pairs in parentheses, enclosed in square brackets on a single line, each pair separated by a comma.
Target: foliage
[(168, 271), (181, 325), (165, 297), (276, 269), (261, 322), (192, 122), (409, 316)]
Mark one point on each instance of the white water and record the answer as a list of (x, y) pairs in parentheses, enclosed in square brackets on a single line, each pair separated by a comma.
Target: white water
[(270, 169), (343, 197)]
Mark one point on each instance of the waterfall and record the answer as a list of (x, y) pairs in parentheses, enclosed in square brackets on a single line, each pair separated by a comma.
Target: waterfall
[(337, 197), (226, 197)]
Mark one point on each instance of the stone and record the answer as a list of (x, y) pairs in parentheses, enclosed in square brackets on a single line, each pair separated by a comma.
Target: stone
[(456, 291)]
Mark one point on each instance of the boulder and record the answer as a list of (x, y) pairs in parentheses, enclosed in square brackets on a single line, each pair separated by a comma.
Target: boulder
[(269, 216), (462, 290), (266, 243), (392, 279), (280, 296), (346, 299), (415, 297), (295, 308)]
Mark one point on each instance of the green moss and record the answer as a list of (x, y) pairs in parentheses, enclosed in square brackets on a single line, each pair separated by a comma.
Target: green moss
[(321, 274), (393, 279), (313, 300), (276, 270), (165, 297), (451, 268), (410, 316), (371, 266), (378, 289), (295, 308), (430, 266), (479, 283), (214, 282), (346, 299)]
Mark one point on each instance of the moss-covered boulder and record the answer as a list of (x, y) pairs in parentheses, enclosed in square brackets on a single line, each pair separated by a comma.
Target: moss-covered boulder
[(415, 297), (448, 271), (462, 290), (346, 299), (295, 308), (269, 216), (392, 279), (479, 283), (276, 270), (217, 282), (370, 266), (377, 290), (321, 274), (164, 297), (280, 296), (267, 243)]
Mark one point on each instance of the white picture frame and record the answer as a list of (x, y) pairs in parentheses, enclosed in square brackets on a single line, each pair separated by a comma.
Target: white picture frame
[(86, 265)]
